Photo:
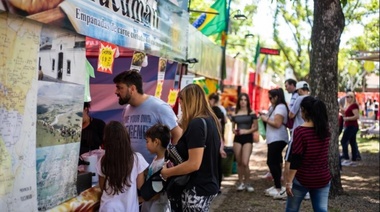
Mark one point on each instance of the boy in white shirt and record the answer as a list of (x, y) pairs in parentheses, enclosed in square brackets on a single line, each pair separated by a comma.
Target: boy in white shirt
[(157, 139)]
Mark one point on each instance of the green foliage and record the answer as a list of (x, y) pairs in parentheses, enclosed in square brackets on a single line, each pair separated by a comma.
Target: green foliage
[(298, 19), (365, 13)]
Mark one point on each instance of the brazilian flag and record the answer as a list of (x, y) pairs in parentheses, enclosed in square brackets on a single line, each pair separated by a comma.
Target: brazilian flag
[(210, 24)]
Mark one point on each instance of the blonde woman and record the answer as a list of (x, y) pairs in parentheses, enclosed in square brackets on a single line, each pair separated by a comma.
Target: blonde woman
[(200, 153), (350, 114)]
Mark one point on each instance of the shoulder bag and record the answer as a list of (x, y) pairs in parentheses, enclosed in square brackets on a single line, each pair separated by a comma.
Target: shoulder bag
[(176, 184)]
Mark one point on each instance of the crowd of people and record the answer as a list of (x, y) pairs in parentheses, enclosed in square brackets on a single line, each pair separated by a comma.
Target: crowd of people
[(138, 149)]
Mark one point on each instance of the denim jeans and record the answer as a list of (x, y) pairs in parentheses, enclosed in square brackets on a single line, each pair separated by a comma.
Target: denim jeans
[(349, 137), (319, 197)]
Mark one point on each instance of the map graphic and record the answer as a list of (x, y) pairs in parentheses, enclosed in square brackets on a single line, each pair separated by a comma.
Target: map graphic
[(19, 45)]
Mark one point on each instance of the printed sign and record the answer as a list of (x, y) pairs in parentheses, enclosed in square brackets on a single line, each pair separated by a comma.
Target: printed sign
[(160, 30), (106, 57)]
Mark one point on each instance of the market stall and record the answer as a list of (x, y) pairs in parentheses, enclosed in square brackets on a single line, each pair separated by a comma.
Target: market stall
[(44, 68)]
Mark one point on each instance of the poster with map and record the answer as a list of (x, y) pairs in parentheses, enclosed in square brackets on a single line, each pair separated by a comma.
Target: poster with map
[(59, 114), (19, 44)]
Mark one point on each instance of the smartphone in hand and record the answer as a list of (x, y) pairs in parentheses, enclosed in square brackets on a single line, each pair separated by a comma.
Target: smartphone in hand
[(169, 164)]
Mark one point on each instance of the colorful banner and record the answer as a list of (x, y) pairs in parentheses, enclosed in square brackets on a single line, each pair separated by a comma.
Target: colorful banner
[(160, 30)]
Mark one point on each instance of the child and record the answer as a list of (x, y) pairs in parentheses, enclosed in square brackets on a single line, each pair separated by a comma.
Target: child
[(121, 171), (157, 139)]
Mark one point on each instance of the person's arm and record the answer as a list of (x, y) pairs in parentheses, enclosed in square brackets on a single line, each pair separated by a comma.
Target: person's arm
[(277, 122), (291, 173), (101, 183), (188, 166), (352, 118), (176, 134), (140, 180), (295, 108)]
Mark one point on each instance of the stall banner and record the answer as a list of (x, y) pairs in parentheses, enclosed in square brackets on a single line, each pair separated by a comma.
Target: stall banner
[(154, 27), (19, 44), (230, 70), (107, 52), (104, 100), (236, 72)]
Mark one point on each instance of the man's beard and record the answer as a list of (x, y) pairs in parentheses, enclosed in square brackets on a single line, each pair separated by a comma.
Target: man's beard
[(125, 100)]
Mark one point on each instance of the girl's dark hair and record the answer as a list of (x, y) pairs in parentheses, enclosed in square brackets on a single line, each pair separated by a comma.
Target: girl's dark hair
[(161, 132), (248, 103), (315, 110), (280, 97), (118, 160), (87, 105)]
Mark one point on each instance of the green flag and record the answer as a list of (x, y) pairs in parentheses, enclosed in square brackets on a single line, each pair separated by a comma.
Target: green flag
[(257, 54), (210, 24)]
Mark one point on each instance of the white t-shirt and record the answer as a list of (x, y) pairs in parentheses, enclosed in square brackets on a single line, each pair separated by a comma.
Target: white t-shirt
[(139, 119), (277, 134), (161, 204), (127, 201)]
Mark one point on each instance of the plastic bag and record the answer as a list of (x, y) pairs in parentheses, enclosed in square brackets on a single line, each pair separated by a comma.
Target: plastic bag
[(261, 125)]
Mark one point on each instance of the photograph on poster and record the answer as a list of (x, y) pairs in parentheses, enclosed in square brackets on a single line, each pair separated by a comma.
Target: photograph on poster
[(62, 56), (59, 113)]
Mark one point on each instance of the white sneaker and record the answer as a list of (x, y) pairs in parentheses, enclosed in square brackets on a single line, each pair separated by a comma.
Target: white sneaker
[(268, 176), (280, 195), (269, 189), (249, 188), (307, 196), (240, 187), (271, 193), (346, 163)]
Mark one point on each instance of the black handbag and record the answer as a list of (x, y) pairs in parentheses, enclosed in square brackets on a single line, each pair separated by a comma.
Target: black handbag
[(152, 186), (176, 184)]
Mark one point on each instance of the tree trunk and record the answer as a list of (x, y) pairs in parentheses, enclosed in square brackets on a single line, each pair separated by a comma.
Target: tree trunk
[(325, 39)]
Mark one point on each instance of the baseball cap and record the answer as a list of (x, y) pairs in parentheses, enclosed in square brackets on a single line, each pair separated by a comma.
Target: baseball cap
[(302, 84)]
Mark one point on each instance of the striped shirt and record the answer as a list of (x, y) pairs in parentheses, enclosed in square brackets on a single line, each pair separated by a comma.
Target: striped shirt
[(309, 156)]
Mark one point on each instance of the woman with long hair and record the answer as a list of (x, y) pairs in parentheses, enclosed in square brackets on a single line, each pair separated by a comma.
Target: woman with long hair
[(309, 170), (199, 147), (244, 124), (350, 114), (276, 138), (121, 170)]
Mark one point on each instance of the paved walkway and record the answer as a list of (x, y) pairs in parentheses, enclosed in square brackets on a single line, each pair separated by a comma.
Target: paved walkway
[(257, 163)]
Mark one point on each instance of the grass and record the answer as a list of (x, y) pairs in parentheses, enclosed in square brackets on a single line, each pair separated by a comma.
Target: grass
[(370, 145)]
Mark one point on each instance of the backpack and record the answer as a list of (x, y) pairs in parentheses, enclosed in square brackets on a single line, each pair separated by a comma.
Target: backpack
[(289, 124)]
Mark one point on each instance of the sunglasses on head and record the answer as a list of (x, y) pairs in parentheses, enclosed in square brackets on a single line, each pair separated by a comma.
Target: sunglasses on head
[(349, 97)]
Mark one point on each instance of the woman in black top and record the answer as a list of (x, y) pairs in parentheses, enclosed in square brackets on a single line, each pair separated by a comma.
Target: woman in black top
[(200, 149)]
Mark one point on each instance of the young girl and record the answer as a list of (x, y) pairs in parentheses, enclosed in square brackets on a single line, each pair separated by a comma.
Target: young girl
[(309, 168), (245, 121), (121, 171), (157, 139)]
